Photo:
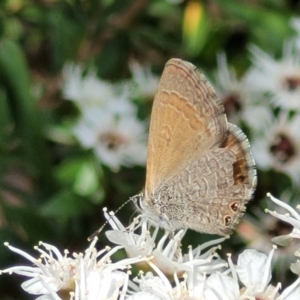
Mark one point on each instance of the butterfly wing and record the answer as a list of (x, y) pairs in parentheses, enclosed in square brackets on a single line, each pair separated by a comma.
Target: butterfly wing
[(209, 194), (187, 119)]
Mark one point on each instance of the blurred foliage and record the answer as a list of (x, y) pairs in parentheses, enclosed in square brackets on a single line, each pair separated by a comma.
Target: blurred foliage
[(51, 189)]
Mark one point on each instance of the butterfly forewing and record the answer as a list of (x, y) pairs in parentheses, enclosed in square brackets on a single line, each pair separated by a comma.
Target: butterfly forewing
[(186, 119)]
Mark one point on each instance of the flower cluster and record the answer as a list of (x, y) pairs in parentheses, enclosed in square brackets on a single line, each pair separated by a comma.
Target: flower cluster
[(164, 271), (108, 122), (266, 100)]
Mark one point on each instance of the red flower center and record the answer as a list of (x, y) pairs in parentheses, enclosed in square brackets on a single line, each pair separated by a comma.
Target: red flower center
[(112, 140), (232, 104), (291, 83), (282, 148)]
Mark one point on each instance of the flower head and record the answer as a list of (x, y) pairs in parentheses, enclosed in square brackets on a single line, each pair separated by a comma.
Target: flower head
[(81, 276), (292, 217), (115, 139), (278, 147), (85, 89), (144, 81), (199, 274), (166, 254), (108, 123), (278, 79), (232, 92)]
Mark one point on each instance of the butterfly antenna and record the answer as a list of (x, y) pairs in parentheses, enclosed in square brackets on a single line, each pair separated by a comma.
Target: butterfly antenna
[(92, 236)]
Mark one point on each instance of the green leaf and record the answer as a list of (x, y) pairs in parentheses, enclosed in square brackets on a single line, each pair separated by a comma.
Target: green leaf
[(65, 205), (67, 170), (15, 78), (86, 181), (268, 27), (4, 115), (25, 222), (82, 176)]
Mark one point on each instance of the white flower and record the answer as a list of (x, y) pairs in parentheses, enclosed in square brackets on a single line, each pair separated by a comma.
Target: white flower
[(258, 233), (277, 79), (86, 89), (199, 276), (295, 23), (165, 259), (166, 253), (83, 276), (221, 286), (144, 81), (152, 287), (278, 147), (108, 124), (116, 139), (254, 271), (231, 91), (292, 218), (160, 287), (291, 292), (240, 101)]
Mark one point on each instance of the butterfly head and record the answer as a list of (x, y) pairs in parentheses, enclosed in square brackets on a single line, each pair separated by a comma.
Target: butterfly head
[(138, 201)]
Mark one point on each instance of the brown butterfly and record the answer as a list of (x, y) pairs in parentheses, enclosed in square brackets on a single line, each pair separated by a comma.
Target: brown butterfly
[(200, 170)]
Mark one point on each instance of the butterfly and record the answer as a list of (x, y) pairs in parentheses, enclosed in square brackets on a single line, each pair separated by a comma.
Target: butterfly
[(200, 172)]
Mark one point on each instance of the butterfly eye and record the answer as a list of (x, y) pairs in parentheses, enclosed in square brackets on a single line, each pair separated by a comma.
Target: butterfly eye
[(227, 221), (234, 206)]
